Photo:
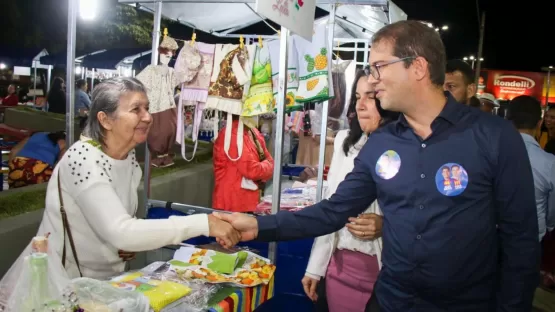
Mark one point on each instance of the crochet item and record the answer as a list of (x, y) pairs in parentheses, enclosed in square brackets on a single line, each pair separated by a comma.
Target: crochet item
[(169, 43), (314, 75)]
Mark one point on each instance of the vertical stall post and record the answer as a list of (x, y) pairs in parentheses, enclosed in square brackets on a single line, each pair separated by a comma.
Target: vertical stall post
[(324, 126), (48, 78), (153, 61), (280, 123), (70, 70), (35, 83)]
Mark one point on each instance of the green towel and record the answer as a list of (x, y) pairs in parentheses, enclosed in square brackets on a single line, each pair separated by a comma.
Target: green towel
[(227, 263)]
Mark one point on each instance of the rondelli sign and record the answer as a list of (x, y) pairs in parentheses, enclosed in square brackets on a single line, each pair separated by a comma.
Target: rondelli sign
[(513, 81)]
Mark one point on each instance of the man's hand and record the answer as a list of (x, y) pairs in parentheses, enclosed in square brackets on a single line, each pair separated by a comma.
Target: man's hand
[(246, 225), (308, 173), (126, 255), (224, 233), (309, 286), (367, 226)]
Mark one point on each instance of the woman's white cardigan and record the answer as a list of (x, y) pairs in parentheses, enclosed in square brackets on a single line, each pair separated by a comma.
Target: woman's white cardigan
[(324, 246)]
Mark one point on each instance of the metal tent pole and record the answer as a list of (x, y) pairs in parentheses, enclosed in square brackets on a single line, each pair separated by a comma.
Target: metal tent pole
[(70, 70), (49, 78), (280, 123), (35, 83), (324, 126), (153, 61)]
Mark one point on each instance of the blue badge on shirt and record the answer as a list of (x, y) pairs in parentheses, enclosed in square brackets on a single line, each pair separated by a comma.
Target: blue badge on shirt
[(451, 179), (388, 164)]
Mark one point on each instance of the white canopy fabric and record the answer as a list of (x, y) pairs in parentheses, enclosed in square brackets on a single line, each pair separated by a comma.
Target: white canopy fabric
[(225, 16)]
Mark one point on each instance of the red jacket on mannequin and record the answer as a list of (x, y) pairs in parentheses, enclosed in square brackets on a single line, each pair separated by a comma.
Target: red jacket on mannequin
[(228, 193)]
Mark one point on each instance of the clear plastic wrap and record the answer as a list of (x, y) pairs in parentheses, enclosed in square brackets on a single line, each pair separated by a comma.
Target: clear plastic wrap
[(97, 296), (196, 301), (292, 199), (35, 279)]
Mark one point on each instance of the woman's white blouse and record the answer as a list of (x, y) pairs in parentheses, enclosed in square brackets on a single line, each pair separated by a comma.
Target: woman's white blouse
[(100, 198), (324, 246)]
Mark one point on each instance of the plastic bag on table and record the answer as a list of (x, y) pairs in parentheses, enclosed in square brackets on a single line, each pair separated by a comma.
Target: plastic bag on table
[(98, 296), (196, 301), (35, 279)]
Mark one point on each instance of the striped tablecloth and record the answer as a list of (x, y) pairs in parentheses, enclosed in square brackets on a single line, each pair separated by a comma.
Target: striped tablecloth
[(231, 299)]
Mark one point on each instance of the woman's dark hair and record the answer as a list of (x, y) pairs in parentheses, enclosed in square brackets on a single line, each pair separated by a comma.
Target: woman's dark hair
[(337, 103), (56, 136), (355, 131)]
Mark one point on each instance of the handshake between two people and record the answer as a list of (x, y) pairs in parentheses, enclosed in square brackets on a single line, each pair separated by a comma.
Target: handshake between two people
[(229, 229)]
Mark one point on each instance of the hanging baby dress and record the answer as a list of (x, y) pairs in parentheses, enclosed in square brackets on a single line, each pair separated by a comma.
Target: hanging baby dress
[(314, 67), (160, 82), (229, 83), (194, 64)]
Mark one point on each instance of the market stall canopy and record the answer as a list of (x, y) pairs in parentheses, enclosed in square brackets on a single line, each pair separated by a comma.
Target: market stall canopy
[(24, 57), (113, 58), (60, 59), (221, 17)]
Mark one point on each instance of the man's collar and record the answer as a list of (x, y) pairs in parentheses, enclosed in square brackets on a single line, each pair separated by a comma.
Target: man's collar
[(529, 139), (452, 111)]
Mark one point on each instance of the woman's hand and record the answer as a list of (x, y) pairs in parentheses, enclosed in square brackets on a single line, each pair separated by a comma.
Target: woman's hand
[(309, 286), (224, 233), (367, 226), (126, 255)]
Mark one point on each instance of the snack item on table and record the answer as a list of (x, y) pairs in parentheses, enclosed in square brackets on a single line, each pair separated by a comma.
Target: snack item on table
[(247, 270), (159, 293)]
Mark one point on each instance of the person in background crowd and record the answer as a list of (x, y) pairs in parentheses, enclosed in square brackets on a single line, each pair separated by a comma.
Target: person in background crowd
[(350, 259), (525, 113), (459, 80), (455, 187), (474, 102), (82, 100), (56, 97), (546, 134), (33, 159), (11, 99), (488, 103), (238, 183)]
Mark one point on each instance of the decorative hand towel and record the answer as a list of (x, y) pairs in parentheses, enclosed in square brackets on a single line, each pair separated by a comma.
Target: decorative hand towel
[(313, 67), (260, 97), (292, 72), (194, 89), (230, 79)]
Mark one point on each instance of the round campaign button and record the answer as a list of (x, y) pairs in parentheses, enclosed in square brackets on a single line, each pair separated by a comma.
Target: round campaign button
[(388, 164), (451, 179)]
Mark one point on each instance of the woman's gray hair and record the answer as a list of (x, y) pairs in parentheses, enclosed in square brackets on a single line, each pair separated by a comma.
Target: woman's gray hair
[(105, 98)]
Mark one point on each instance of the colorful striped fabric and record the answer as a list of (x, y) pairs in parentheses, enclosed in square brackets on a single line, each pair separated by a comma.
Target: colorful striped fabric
[(245, 299)]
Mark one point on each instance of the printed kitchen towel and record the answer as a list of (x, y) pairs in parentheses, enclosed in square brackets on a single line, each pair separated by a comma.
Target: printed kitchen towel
[(292, 72), (314, 67)]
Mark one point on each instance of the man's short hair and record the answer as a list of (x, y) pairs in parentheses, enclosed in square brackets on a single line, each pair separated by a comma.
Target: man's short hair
[(463, 68), (525, 112), (414, 38)]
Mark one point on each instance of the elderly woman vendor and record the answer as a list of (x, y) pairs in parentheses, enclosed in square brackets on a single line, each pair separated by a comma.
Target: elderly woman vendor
[(96, 184)]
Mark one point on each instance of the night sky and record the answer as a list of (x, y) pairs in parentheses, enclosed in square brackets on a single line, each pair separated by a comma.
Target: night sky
[(518, 34)]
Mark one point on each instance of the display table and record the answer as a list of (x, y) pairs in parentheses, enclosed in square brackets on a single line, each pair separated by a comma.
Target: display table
[(232, 299)]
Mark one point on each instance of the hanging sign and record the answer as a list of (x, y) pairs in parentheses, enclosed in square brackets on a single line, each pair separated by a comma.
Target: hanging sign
[(295, 15)]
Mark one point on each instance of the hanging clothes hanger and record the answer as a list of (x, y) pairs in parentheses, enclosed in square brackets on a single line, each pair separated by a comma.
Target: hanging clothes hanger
[(337, 58), (260, 44), (165, 32), (193, 37), (241, 42)]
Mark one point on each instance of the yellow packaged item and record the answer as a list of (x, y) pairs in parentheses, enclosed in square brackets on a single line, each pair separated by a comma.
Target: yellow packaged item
[(159, 293)]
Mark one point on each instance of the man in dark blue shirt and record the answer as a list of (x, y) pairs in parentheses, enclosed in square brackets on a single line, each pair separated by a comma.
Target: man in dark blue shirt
[(454, 184)]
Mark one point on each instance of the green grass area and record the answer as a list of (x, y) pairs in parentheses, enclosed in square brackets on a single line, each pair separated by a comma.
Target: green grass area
[(21, 202), (17, 203)]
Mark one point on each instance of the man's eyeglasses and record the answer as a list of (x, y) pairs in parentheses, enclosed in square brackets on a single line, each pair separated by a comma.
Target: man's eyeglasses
[(374, 69)]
